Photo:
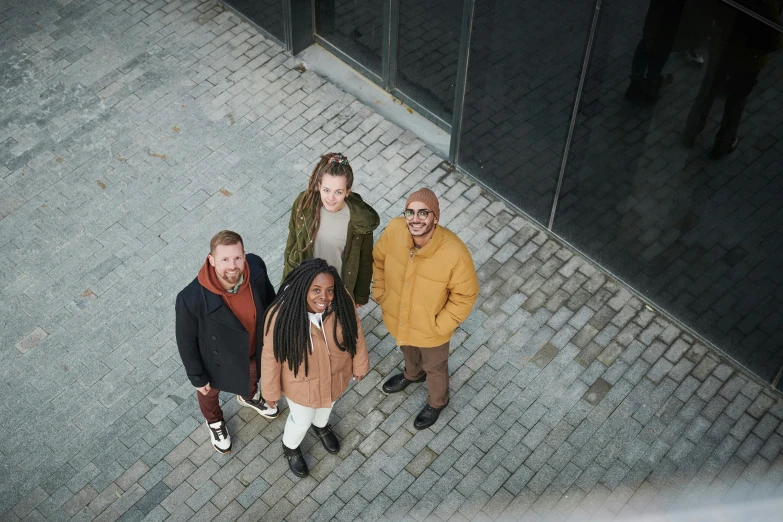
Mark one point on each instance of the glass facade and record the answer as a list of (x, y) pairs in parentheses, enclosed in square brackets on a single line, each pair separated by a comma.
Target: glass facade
[(653, 189), (267, 14), (523, 73), (646, 133), (355, 27), (428, 53)]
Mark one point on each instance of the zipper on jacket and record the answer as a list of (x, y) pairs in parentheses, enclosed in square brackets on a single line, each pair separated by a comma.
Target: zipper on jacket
[(328, 352)]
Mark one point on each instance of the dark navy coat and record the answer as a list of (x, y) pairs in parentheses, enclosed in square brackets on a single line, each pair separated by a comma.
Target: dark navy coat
[(212, 342)]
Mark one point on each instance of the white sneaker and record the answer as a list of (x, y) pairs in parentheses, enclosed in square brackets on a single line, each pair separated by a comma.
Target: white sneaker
[(221, 440), (260, 405)]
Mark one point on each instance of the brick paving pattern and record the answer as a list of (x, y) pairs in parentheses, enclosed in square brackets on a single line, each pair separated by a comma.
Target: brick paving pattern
[(131, 131)]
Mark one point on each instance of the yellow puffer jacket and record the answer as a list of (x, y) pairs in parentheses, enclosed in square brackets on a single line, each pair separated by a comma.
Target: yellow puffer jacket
[(423, 295)]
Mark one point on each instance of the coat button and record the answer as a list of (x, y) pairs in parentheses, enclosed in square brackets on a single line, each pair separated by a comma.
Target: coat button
[(215, 351), (217, 365), (214, 337), (403, 306)]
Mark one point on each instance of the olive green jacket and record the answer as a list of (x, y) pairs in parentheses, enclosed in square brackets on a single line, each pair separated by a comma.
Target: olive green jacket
[(357, 257)]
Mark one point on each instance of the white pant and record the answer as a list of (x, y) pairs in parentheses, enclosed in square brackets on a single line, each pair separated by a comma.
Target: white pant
[(299, 420)]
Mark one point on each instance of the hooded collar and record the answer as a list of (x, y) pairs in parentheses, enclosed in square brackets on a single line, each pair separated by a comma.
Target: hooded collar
[(364, 219), (214, 291), (316, 319)]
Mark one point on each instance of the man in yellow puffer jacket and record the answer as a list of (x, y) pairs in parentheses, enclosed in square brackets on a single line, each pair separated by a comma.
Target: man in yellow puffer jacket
[(425, 282)]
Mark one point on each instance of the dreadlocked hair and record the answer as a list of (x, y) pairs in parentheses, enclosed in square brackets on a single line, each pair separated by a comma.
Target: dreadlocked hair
[(334, 164), (291, 337)]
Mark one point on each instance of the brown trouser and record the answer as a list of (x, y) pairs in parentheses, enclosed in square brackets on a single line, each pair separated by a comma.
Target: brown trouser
[(210, 403), (435, 363)]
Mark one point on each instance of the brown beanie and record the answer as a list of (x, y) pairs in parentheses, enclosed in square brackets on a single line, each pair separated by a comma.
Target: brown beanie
[(428, 197)]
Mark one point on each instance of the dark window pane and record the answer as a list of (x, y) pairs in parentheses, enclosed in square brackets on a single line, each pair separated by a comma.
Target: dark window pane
[(353, 26), (428, 53), (655, 190), (267, 14), (525, 60)]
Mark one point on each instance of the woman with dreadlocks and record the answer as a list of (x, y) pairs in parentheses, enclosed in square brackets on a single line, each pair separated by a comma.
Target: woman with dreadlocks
[(333, 223), (313, 345)]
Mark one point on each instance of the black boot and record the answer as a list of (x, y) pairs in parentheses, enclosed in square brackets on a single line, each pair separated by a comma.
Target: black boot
[(399, 382), (296, 461), (721, 149), (328, 438), (428, 416), (638, 93)]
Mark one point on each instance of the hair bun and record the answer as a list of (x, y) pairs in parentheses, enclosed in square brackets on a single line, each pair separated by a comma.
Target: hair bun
[(337, 157)]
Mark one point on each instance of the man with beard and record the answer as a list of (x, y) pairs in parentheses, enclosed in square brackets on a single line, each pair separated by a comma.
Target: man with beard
[(426, 285), (219, 324)]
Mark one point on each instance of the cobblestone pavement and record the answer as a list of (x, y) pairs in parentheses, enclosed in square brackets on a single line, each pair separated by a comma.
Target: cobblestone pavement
[(131, 131)]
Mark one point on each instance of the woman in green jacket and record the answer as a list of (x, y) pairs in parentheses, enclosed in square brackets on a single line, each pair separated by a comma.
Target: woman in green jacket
[(331, 222)]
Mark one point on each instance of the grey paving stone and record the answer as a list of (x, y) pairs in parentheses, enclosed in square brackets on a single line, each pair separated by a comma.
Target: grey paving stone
[(78, 501), (659, 370), (762, 403), (194, 66), (473, 504), (398, 485), (152, 498), (542, 479), (749, 447), (597, 392), (772, 447)]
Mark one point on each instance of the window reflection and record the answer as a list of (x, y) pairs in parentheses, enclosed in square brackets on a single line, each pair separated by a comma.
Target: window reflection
[(428, 53), (354, 27), (525, 61), (674, 176), (267, 14)]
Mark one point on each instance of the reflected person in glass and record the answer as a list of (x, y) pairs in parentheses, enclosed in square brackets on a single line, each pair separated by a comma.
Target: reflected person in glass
[(658, 36), (740, 46)]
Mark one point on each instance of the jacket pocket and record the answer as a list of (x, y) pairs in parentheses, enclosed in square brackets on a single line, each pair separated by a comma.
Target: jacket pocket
[(297, 391)]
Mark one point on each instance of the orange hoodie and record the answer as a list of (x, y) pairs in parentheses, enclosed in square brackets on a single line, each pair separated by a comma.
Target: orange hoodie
[(241, 304)]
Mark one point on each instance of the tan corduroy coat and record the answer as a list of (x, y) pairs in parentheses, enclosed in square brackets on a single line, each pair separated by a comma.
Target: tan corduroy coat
[(330, 368), (425, 294)]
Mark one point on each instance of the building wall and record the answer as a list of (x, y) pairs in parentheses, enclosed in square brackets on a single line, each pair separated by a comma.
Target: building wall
[(617, 178)]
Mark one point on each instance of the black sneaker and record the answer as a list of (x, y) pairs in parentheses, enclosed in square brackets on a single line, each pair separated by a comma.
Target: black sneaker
[(260, 405)]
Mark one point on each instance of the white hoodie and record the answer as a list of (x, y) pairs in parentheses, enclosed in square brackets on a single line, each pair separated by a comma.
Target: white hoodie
[(317, 320)]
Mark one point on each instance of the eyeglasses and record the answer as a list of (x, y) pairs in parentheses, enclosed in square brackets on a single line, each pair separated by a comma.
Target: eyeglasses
[(421, 214)]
